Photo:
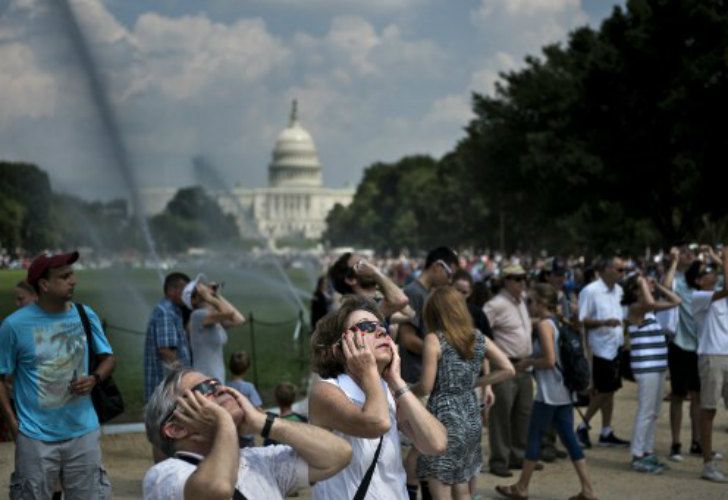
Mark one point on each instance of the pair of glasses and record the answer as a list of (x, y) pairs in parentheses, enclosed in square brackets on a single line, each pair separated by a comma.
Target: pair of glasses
[(209, 386), (367, 327), (448, 269)]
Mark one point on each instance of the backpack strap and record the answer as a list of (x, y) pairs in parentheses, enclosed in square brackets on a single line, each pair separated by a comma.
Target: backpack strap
[(86, 328), (196, 461), (361, 491)]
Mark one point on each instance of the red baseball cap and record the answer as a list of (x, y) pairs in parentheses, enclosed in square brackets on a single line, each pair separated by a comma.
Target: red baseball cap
[(46, 261)]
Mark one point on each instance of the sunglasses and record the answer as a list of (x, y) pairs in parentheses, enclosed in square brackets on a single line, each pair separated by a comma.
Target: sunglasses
[(620, 269), (367, 327), (209, 386), (516, 278)]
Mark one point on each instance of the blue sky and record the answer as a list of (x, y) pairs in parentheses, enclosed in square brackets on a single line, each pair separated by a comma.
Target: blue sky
[(375, 80)]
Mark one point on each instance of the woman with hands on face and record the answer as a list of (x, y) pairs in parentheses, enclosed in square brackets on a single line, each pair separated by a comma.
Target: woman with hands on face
[(361, 397)]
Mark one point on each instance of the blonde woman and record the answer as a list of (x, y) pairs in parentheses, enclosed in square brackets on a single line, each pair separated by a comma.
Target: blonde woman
[(454, 356)]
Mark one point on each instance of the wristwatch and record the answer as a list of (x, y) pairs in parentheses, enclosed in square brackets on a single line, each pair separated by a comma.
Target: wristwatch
[(97, 378), (270, 417)]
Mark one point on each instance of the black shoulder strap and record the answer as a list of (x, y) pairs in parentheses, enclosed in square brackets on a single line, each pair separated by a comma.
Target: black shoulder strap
[(86, 328), (196, 461), (364, 486)]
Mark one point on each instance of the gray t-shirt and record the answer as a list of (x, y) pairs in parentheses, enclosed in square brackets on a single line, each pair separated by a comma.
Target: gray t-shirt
[(207, 343), (411, 362)]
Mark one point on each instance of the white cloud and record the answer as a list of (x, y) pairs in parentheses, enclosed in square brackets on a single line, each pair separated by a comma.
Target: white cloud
[(27, 91), (527, 24), (185, 56), (489, 8), (451, 109)]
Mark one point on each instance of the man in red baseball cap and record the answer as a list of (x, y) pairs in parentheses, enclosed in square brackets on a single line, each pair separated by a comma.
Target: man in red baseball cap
[(45, 349)]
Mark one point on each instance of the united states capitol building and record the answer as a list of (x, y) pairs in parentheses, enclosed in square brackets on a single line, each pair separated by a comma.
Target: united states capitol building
[(295, 203)]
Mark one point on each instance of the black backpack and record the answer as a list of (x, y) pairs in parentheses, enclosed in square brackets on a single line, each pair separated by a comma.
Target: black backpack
[(573, 364)]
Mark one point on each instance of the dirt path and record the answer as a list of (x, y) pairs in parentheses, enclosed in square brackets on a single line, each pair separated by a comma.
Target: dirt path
[(127, 457)]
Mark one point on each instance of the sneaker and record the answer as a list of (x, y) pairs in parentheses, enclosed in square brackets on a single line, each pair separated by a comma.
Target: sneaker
[(612, 440), (654, 460), (696, 449), (582, 434), (675, 453), (711, 473), (646, 466)]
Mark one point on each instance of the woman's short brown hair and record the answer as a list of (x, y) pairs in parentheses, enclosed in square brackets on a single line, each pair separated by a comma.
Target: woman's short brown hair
[(327, 359)]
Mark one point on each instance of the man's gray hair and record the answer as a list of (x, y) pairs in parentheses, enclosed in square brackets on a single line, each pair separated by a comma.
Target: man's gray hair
[(159, 406)]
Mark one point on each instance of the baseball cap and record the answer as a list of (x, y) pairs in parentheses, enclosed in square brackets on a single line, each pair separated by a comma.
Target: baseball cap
[(513, 270), (46, 261), (189, 289)]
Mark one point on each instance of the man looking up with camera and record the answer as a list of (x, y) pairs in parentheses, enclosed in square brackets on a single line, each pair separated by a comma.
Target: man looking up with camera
[(211, 315)]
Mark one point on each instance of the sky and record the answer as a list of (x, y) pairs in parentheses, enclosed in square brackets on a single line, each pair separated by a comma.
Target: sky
[(375, 80)]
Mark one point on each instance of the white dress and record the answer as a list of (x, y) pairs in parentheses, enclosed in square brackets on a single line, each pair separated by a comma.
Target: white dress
[(389, 479)]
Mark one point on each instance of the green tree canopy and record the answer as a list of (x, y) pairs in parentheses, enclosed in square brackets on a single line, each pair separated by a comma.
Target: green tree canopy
[(193, 218), (611, 141)]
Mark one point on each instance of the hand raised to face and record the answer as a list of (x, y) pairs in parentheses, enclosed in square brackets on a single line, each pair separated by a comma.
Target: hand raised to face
[(359, 354), (200, 414)]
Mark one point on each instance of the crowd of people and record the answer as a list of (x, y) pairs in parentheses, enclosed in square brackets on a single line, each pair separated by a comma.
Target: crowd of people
[(412, 359)]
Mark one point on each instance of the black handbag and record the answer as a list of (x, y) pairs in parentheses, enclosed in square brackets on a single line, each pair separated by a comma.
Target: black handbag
[(105, 396)]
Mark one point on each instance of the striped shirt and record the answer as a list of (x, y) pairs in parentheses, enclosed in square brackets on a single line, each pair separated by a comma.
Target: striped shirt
[(649, 346)]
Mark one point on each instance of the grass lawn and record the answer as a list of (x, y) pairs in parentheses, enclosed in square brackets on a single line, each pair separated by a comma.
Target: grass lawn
[(124, 298)]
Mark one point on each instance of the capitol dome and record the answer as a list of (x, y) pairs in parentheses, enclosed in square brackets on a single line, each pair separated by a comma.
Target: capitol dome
[(295, 160)]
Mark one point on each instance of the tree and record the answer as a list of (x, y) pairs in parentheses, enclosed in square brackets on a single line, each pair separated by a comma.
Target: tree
[(192, 218), (27, 194)]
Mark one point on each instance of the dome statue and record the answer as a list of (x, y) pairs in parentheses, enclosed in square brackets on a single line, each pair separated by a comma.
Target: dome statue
[(295, 160)]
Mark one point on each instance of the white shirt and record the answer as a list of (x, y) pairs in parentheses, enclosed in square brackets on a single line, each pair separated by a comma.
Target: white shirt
[(711, 318), (265, 473), (389, 479), (598, 302)]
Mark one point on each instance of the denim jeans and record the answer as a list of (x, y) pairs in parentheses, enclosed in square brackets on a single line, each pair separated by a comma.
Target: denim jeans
[(543, 416)]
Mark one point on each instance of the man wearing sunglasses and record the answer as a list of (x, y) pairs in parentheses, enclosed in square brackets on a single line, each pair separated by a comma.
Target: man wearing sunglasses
[(710, 311), (601, 313), (509, 416), (195, 421)]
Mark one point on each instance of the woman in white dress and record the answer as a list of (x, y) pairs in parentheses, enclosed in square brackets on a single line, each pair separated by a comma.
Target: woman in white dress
[(362, 397)]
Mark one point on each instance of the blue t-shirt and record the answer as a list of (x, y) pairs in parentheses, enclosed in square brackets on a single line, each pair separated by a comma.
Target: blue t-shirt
[(44, 352)]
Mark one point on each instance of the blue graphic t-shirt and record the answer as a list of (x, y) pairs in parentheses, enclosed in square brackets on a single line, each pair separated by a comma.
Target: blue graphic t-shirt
[(45, 352)]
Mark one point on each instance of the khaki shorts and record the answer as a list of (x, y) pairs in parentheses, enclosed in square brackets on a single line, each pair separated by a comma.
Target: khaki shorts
[(713, 380)]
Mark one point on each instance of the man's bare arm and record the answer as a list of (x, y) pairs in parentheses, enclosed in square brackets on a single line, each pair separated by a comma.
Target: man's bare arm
[(6, 408)]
